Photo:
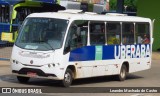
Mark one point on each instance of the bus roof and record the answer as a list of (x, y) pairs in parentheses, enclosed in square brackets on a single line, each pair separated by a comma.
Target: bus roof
[(86, 16)]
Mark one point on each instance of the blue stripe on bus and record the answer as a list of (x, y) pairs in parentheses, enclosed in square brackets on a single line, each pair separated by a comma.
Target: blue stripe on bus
[(83, 54), (108, 52), (89, 53)]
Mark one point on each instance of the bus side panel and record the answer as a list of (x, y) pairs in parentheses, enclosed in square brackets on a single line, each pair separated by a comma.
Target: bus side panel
[(84, 59), (94, 61), (142, 58), (86, 53), (108, 59)]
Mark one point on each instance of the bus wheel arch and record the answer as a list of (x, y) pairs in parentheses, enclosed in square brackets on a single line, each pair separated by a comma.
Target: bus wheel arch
[(69, 76), (123, 71), (73, 69), (127, 65)]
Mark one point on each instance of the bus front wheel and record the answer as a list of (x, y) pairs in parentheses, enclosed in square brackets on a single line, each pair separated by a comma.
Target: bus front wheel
[(123, 73), (23, 79), (68, 77)]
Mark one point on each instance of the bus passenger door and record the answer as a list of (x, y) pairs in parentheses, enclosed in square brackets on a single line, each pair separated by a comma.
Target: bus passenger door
[(76, 44)]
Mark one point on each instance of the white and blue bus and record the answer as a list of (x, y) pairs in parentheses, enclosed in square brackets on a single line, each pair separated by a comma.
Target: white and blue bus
[(71, 45)]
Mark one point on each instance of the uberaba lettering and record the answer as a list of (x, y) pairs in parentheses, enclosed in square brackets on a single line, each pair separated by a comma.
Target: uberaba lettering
[(131, 51)]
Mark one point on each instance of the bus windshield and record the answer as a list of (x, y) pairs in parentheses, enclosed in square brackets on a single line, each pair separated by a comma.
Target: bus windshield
[(42, 34)]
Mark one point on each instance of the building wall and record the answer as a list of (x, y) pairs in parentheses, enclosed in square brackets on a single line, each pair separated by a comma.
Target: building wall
[(151, 9)]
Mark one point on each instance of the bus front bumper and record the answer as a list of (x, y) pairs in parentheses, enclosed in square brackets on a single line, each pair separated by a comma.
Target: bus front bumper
[(38, 72), (34, 73)]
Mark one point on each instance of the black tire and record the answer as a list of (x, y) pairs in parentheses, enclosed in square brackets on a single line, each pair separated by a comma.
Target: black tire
[(123, 73), (68, 78), (23, 79)]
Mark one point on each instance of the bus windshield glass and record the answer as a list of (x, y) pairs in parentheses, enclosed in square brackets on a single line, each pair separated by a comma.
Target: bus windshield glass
[(42, 34)]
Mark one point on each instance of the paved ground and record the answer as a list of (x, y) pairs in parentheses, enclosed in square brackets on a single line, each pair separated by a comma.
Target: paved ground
[(148, 78), (5, 52), (156, 55)]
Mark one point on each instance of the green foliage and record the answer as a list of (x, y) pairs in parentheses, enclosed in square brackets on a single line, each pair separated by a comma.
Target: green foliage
[(90, 7), (145, 10), (131, 5), (113, 4)]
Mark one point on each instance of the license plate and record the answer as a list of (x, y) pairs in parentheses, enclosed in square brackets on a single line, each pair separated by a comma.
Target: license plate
[(31, 74)]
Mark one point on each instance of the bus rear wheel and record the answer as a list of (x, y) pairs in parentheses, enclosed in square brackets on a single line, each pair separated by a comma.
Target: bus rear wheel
[(123, 73), (68, 78), (23, 79)]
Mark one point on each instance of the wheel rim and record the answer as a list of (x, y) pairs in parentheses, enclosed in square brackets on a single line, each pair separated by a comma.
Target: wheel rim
[(67, 78), (123, 73)]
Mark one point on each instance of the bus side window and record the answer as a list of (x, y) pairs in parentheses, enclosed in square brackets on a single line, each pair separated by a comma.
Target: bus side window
[(77, 36), (113, 33), (97, 34), (142, 33), (127, 33)]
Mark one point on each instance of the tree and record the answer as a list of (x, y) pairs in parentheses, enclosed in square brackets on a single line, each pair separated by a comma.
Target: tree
[(131, 5), (113, 4)]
